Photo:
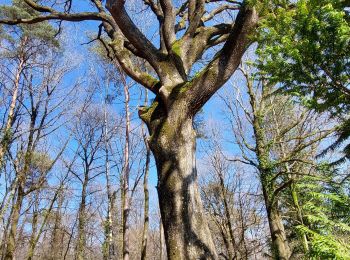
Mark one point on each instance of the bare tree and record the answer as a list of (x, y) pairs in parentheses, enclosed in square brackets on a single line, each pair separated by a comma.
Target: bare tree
[(6, 137), (285, 138), (179, 95), (42, 113), (88, 133), (36, 234), (231, 202)]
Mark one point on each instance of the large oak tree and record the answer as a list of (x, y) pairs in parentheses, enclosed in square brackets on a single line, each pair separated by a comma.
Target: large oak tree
[(187, 30)]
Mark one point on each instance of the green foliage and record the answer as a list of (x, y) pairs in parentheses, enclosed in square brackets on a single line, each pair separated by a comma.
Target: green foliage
[(40, 31), (326, 209), (305, 48), (40, 162)]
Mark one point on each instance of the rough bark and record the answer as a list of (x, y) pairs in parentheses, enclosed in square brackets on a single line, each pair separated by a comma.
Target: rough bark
[(172, 136), (173, 142), (280, 245)]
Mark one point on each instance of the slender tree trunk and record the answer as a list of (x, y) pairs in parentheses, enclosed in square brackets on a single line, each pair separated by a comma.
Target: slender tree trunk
[(173, 143), (292, 186), (109, 252), (126, 175), (228, 218), (4, 146), (110, 242), (14, 218), (69, 240), (242, 218), (8, 197), (6, 138), (280, 246), (36, 235), (299, 215), (16, 210), (81, 243), (56, 245), (146, 203), (32, 241), (227, 244)]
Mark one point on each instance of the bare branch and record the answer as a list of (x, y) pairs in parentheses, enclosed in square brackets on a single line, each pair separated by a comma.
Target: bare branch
[(219, 10), (226, 61), (195, 13), (132, 33), (168, 28), (57, 16)]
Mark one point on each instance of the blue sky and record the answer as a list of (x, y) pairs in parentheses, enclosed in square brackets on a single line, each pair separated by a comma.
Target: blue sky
[(76, 35)]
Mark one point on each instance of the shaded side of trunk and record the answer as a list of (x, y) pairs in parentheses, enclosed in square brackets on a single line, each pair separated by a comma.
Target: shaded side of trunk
[(173, 143)]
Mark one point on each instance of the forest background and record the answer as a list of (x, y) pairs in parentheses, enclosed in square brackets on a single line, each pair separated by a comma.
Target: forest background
[(78, 179)]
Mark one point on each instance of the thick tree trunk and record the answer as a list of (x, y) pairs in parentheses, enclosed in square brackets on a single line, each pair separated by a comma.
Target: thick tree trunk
[(173, 143)]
